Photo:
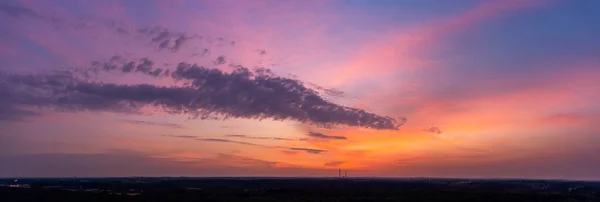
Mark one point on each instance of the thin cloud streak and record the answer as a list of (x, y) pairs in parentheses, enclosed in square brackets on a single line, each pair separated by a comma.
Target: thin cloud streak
[(181, 136), (307, 150), (260, 138), (312, 151), (221, 140), (150, 123), (333, 163), (230, 141), (323, 136)]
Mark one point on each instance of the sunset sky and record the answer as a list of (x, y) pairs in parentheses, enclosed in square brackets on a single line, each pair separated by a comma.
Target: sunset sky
[(387, 88)]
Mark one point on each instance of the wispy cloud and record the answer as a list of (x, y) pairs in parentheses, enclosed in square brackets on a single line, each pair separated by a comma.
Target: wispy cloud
[(433, 129), (150, 123), (307, 150), (17, 11), (568, 118), (260, 138), (312, 151), (323, 136), (229, 141), (182, 136), (221, 140)]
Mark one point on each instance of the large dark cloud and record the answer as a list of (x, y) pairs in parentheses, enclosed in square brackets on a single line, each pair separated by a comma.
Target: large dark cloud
[(323, 136), (211, 94), (242, 93)]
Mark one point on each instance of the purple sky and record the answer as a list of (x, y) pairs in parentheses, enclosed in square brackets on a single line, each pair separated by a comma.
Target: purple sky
[(462, 88)]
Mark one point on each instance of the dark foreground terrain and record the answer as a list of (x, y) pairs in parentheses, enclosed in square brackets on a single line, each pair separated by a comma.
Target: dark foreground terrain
[(294, 189)]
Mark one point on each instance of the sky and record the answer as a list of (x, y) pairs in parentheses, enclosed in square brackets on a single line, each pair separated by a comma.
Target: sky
[(385, 88)]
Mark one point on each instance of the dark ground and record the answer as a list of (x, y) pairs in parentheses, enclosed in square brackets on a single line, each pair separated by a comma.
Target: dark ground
[(296, 189)]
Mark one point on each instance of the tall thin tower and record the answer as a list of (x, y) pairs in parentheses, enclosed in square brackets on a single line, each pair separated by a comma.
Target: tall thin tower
[(340, 173)]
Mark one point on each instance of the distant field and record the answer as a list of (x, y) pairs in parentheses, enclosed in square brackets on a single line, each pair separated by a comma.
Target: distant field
[(295, 189)]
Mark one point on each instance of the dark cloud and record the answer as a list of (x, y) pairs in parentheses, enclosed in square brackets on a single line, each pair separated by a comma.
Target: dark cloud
[(323, 136), (164, 44), (243, 93), (282, 138), (260, 138), (179, 41), (165, 38), (149, 123), (260, 95), (433, 129), (220, 60), (20, 101), (312, 151), (205, 52), (333, 163), (211, 94)]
